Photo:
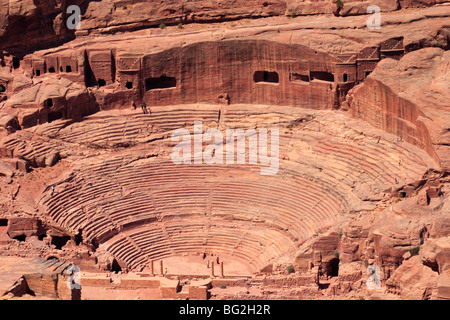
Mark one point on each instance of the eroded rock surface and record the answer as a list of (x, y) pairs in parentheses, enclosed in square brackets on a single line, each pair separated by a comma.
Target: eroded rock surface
[(358, 206)]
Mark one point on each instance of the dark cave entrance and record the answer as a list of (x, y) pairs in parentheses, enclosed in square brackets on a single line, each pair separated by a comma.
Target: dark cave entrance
[(266, 76), (48, 103), (95, 243), (79, 237), (101, 83), (345, 78), (115, 267), (129, 85), (52, 116), (21, 238), (322, 75), (52, 70), (68, 69), (52, 258), (3, 222), (2, 88), (60, 242), (16, 63), (160, 83), (333, 267)]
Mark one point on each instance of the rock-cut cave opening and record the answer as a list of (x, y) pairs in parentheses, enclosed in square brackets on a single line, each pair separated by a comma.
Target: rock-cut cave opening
[(161, 82), (322, 75), (60, 242), (266, 76), (52, 116), (21, 238), (101, 82), (16, 63)]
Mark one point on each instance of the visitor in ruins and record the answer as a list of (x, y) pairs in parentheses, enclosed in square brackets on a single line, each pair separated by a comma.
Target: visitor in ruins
[(144, 107)]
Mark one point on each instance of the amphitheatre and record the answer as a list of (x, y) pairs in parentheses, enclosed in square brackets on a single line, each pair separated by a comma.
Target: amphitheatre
[(92, 205)]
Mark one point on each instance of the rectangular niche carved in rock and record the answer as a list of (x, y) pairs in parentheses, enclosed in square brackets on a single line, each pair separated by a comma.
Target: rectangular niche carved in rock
[(160, 83), (299, 77), (322, 75), (265, 76)]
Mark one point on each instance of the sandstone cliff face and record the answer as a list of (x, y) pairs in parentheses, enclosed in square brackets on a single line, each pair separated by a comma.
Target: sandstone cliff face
[(28, 25), (413, 281), (349, 194), (238, 68), (47, 101), (409, 98)]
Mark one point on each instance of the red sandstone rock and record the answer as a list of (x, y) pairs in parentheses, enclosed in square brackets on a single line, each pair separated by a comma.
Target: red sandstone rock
[(29, 25), (435, 254), (412, 281), (24, 226), (6, 171), (393, 88), (103, 193)]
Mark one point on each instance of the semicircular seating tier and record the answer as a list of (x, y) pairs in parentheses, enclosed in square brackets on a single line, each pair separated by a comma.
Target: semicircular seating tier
[(142, 207)]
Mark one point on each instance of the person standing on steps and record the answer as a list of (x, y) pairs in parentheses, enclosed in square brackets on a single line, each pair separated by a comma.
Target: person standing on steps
[(144, 107)]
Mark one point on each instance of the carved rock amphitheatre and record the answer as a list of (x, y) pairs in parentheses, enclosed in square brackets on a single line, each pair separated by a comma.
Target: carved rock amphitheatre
[(87, 179)]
